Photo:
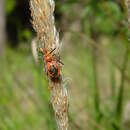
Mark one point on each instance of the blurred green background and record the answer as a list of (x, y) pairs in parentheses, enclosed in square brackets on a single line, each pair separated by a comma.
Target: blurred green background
[(95, 52)]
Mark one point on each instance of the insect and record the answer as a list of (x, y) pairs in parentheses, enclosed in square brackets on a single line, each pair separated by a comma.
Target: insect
[(52, 64)]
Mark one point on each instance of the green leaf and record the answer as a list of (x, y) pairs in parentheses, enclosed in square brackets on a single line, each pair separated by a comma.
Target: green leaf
[(9, 6)]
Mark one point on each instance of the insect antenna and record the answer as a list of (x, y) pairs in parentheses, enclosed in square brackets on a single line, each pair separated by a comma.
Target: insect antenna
[(60, 62), (52, 50), (58, 59)]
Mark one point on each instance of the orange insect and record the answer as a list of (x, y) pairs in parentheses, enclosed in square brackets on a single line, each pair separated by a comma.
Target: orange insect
[(52, 66)]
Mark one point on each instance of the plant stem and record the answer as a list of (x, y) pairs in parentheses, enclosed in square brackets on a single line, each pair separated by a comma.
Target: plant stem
[(2, 27), (96, 88), (112, 78), (119, 107), (44, 24)]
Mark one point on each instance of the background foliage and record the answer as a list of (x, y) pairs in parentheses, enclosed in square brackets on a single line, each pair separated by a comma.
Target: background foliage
[(97, 68)]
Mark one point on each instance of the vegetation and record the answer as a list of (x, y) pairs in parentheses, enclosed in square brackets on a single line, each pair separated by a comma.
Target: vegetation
[(96, 54)]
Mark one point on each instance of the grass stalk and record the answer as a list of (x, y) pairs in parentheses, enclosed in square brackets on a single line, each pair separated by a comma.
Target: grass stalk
[(95, 85), (119, 106), (113, 82), (44, 25)]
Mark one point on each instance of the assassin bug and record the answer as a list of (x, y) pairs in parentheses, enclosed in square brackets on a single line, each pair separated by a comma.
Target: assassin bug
[(52, 66)]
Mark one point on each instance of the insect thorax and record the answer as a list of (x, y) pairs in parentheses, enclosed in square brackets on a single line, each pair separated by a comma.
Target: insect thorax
[(53, 71)]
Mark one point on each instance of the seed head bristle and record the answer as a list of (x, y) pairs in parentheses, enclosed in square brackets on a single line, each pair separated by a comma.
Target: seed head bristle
[(44, 22)]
